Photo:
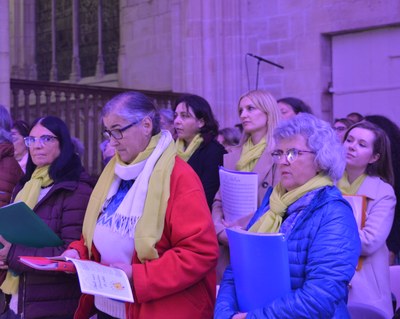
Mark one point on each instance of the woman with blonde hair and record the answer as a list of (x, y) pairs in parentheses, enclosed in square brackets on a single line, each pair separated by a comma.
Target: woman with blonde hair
[(259, 115)]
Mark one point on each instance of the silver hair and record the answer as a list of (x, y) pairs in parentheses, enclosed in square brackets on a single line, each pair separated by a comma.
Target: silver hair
[(321, 139), (5, 124), (133, 106)]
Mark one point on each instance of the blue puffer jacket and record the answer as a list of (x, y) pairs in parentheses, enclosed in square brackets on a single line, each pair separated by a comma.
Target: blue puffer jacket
[(324, 246)]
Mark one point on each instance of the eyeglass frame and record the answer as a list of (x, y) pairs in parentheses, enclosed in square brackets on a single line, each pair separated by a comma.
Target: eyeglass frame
[(108, 133), (277, 157), (44, 140)]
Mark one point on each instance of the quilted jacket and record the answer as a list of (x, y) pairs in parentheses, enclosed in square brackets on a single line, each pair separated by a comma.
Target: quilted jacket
[(324, 247)]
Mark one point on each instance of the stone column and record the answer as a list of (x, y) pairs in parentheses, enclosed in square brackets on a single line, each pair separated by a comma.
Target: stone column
[(5, 55), (100, 61), (53, 71), (76, 66)]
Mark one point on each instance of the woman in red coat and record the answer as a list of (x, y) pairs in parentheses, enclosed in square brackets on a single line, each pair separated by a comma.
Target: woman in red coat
[(148, 216)]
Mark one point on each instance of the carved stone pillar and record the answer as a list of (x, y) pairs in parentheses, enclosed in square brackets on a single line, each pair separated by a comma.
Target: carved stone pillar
[(53, 70), (100, 60), (76, 66)]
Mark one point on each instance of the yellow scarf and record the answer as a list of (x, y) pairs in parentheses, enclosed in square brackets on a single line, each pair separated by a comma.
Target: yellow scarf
[(151, 224), (280, 200), (350, 189), (250, 155), (185, 154), (28, 194)]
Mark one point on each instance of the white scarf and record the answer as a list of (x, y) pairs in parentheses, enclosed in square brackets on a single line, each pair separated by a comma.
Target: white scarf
[(130, 210)]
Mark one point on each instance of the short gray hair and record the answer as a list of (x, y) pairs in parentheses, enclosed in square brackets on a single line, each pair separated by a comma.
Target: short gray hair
[(5, 124), (321, 139), (133, 106)]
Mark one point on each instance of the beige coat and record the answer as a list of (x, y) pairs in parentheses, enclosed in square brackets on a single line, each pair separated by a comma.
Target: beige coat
[(371, 283), (266, 177)]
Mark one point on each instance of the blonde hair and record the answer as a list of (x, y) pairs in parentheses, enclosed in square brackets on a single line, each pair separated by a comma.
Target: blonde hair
[(264, 101)]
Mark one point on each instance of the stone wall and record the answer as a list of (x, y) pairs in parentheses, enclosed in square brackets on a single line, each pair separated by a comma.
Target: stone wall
[(200, 46)]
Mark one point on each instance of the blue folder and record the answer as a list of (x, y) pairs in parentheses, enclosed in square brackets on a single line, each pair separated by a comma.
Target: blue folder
[(260, 267)]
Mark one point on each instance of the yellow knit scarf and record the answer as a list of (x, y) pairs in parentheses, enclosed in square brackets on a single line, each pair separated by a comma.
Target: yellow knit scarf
[(185, 154), (280, 200), (250, 155), (28, 194), (151, 224), (350, 189)]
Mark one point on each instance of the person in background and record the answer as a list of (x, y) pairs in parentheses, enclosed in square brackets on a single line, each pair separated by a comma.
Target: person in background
[(355, 117), (259, 114), (197, 130), (149, 217), (107, 151), (317, 222), (19, 131), (290, 106), (79, 148), (167, 117), (369, 173), (393, 133), (229, 137), (340, 126), (10, 171), (57, 189)]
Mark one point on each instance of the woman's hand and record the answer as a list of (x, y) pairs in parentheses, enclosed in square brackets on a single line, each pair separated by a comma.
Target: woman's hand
[(125, 267), (4, 251), (240, 316), (71, 253)]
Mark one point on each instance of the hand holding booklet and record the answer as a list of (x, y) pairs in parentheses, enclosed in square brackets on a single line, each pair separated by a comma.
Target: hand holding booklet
[(94, 278)]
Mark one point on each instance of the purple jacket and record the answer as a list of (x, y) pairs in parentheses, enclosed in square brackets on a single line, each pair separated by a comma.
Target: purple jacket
[(53, 294)]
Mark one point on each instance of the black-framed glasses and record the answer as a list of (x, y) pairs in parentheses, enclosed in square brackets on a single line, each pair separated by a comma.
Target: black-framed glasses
[(117, 133), (291, 154), (44, 140)]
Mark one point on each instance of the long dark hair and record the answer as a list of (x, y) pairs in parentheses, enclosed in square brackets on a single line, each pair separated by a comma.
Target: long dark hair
[(383, 166), (202, 110), (67, 166)]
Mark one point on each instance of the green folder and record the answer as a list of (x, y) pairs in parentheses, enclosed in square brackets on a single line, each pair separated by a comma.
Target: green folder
[(20, 225)]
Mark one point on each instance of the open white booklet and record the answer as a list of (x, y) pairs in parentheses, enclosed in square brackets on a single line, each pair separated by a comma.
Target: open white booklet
[(94, 278), (238, 193)]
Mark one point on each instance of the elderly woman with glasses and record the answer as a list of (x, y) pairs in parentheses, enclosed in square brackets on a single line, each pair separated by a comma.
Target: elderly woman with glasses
[(57, 189), (317, 222), (148, 216)]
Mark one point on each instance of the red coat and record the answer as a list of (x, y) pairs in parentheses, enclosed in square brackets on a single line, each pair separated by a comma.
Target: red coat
[(181, 282), (10, 172)]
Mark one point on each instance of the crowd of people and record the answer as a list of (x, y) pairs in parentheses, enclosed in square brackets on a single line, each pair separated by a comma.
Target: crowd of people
[(157, 213)]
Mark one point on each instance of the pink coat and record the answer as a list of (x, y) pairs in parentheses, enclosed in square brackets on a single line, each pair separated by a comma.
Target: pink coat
[(371, 283)]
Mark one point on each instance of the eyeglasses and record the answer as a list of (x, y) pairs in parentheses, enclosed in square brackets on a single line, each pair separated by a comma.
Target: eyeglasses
[(44, 140), (291, 155), (117, 133)]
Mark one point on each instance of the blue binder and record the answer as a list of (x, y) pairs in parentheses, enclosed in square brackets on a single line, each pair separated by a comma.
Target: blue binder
[(260, 267)]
